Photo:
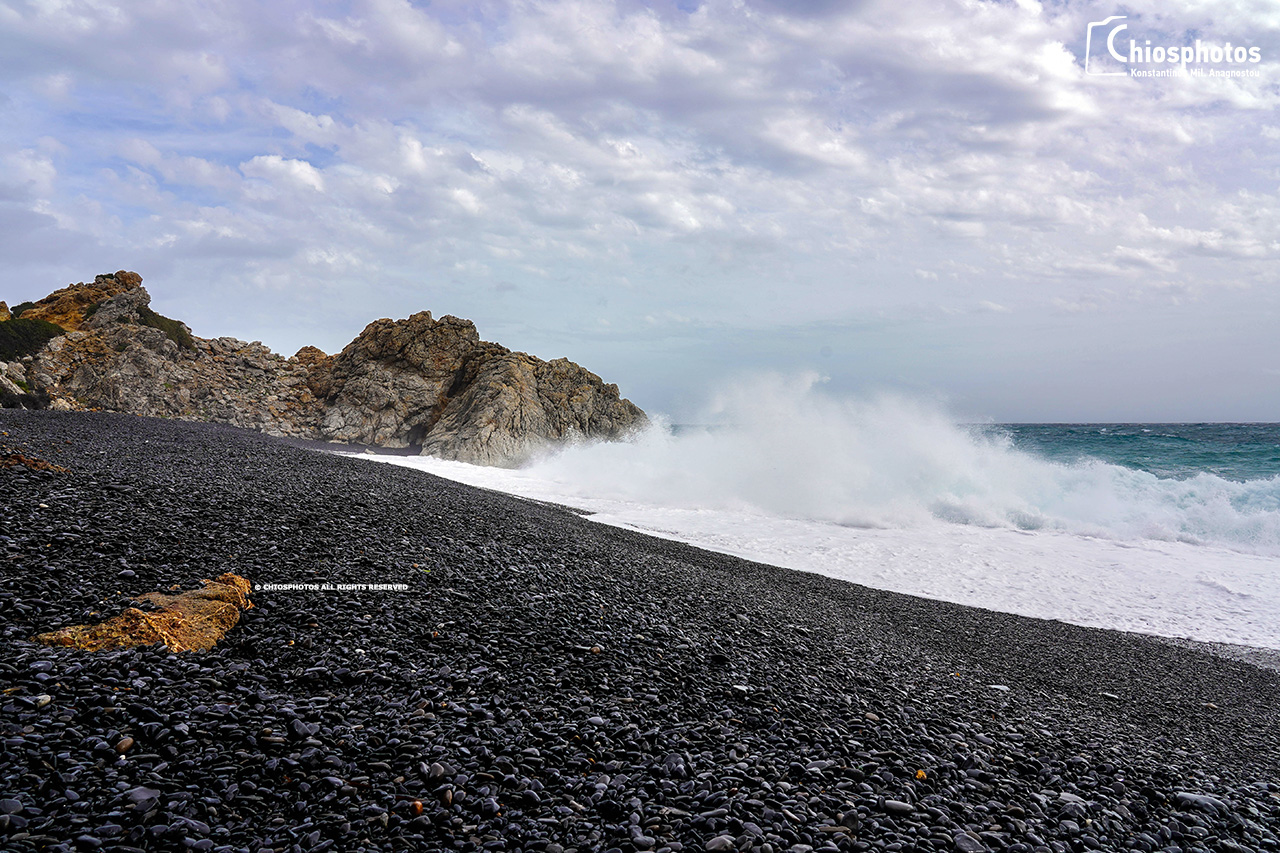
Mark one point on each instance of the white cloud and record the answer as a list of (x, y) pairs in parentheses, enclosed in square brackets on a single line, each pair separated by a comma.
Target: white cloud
[(280, 171), (1145, 259), (32, 170), (467, 201)]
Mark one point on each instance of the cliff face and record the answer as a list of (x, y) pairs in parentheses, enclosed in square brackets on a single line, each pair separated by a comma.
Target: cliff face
[(505, 404), (388, 386), (123, 357), (434, 383), (400, 383)]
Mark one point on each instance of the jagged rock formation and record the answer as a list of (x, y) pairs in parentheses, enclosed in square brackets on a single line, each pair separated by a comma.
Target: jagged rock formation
[(499, 401), (124, 357), (434, 383), (190, 621), (389, 386), (400, 383), (69, 307)]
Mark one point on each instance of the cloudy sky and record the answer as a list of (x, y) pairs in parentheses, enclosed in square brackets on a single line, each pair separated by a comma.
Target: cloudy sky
[(926, 196)]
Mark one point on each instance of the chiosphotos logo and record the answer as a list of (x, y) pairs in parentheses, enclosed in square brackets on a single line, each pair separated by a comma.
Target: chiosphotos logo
[(1111, 51)]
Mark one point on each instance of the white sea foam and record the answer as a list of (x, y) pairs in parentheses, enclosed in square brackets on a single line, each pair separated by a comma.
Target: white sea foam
[(891, 493)]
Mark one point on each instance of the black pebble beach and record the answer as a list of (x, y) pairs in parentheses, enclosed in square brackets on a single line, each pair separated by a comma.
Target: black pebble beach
[(550, 684)]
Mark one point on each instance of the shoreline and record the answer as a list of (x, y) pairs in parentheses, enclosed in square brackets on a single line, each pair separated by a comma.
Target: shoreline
[(1258, 656), (551, 684), (1228, 648)]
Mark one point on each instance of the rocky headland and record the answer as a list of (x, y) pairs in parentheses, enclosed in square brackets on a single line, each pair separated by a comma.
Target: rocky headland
[(418, 382)]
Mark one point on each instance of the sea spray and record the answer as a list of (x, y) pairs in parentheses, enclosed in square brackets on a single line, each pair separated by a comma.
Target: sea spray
[(890, 492), (781, 445)]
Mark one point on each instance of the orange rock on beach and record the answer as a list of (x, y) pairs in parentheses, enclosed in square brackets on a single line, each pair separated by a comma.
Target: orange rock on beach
[(194, 620)]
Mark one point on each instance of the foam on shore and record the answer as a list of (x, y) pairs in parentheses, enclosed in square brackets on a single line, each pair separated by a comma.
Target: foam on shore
[(891, 494)]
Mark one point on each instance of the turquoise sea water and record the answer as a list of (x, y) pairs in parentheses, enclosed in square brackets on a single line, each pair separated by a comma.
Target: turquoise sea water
[(1239, 452), (891, 464)]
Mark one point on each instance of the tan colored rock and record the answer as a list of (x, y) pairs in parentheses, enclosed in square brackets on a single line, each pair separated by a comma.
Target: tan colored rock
[(116, 363), (5, 314), (435, 384), (389, 385), (194, 620), (125, 307), (319, 370), (517, 405), (312, 356), (67, 307)]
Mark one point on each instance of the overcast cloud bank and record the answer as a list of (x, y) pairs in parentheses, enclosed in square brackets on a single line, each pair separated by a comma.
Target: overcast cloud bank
[(928, 196)]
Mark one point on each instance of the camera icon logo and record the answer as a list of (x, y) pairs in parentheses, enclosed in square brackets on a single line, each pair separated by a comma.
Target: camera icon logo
[(1091, 61)]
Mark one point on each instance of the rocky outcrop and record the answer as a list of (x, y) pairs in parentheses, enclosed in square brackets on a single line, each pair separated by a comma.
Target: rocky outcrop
[(194, 620), (417, 382), (435, 384), (514, 405), (70, 306), (117, 363), (388, 386), (4, 312)]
